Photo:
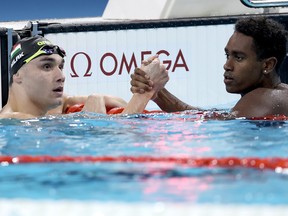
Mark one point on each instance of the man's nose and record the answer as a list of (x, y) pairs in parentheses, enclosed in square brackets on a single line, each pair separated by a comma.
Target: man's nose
[(228, 66), (61, 75)]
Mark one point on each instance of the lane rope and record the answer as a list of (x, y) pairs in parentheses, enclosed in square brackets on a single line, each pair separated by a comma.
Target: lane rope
[(118, 110), (225, 162)]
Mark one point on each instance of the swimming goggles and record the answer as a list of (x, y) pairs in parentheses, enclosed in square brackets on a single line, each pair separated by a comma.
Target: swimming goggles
[(46, 50)]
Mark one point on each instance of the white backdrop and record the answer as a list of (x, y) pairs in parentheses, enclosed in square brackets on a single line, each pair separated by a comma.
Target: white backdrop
[(101, 62)]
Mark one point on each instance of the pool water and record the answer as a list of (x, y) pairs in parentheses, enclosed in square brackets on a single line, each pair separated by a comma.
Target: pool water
[(186, 134)]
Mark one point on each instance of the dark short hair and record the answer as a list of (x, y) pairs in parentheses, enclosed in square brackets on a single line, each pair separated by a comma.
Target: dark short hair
[(269, 36)]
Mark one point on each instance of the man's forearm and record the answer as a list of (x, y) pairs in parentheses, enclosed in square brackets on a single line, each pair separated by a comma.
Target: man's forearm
[(169, 103), (138, 103)]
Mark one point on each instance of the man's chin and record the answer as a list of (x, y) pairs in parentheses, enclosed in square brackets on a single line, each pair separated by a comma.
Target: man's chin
[(231, 91), (58, 103)]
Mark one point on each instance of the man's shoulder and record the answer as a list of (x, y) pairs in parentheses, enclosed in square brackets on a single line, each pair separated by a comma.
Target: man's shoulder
[(280, 90), (266, 97), (282, 86), (16, 115), (262, 102)]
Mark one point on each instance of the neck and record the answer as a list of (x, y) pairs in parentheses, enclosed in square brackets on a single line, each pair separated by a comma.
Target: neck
[(276, 82), (268, 82)]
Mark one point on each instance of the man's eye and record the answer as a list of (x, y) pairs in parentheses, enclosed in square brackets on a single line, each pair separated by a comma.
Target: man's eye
[(239, 58), (46, 66)]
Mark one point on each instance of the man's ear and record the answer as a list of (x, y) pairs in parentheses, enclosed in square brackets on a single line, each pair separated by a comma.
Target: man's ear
[(269, 65), (17, 78)]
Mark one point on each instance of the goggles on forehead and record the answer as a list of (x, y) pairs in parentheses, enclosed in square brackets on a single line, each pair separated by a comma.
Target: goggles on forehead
[(46, 50)]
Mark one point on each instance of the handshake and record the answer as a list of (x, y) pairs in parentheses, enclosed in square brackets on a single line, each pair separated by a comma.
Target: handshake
[(150, 78)]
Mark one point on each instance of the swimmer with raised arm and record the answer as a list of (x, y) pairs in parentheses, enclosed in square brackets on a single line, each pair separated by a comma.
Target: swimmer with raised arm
[(254, 52), (37, 83)]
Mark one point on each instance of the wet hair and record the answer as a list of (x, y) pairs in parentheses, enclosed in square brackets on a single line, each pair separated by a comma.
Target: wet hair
[(269, 37)]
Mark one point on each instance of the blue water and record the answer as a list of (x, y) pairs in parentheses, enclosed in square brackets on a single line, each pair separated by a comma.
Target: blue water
[(177, 135)]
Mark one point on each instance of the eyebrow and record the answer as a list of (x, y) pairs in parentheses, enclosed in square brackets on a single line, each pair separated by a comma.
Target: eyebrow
[(48, 58), (234, 52)]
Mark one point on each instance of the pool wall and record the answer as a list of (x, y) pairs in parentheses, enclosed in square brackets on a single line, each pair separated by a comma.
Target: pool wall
[(101, 58), (76, 208)]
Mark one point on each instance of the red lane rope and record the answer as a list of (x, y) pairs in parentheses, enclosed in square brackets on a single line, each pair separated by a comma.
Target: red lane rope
[(110, 111), (226, 162), (117, 110), (271, 118)]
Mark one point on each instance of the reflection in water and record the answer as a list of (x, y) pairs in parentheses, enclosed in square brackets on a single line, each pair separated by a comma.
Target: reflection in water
[(190, 134), (182, 188)]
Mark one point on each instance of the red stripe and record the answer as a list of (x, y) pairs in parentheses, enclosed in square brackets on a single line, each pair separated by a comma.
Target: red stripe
[(226, 162)]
